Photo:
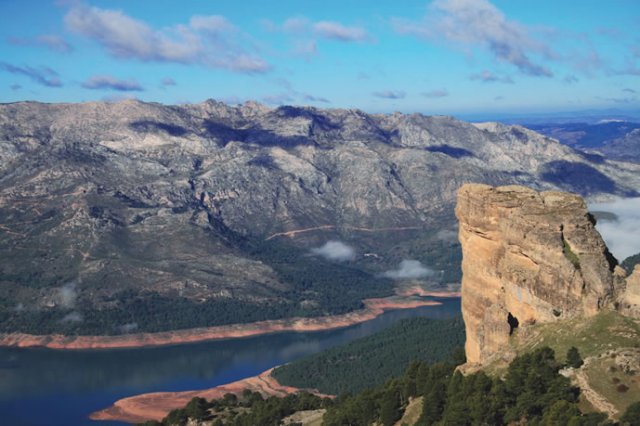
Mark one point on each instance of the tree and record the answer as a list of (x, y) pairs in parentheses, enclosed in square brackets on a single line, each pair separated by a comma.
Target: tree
[(197, 408), (390, 409), (573, 358), (631, 416), (560, 413)]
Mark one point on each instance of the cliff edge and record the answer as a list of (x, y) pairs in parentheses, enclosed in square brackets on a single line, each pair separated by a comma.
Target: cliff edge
[(530, 257)]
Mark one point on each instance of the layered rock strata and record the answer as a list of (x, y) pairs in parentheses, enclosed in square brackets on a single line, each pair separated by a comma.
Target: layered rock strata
[(527, 257)]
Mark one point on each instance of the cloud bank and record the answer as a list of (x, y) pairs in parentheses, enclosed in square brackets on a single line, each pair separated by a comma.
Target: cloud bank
[(43, 76), (621, 235), (472, 23), (50, 41), (409, 269), (111, 83), (210, 41), (335, 251)]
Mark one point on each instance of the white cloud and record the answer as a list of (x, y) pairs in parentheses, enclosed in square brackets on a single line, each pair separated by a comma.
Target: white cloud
[(331, 30), (409, 269), (213, 24), (67, 295), (204, 40), (337, 31), (44, 76), (128, 327), (447, 235), (479, 23), (335, 250), (50, 41), (107, 82), (390, 94), (72, 317), (621, 235)]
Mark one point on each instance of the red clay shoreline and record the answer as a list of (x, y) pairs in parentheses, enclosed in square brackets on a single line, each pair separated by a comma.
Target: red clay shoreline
[(156, 405), (374, 308)]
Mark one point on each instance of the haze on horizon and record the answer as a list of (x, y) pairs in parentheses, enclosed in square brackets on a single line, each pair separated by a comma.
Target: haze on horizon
[(435, 57)]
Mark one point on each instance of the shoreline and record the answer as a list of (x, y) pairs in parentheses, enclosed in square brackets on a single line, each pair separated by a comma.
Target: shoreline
[(373, 308), (156, 405)]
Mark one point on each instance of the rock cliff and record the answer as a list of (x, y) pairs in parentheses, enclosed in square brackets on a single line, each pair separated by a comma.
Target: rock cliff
[(529, 257)]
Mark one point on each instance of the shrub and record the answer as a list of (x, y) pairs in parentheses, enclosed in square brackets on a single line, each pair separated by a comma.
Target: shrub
[(622, 388)]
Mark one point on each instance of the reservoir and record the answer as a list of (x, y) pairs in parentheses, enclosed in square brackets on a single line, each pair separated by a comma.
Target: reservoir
[(53, 387)]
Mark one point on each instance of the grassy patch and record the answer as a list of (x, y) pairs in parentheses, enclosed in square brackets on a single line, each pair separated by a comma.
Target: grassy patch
[(412, 412), (592, 336), (569, 254), (619, 388)]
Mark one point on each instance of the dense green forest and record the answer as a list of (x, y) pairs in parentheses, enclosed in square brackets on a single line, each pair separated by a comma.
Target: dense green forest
[(335, 289), (372, 360), (532, 392)]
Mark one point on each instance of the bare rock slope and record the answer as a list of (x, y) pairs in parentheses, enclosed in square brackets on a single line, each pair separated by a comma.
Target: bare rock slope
[(117, 216), (530, 257)]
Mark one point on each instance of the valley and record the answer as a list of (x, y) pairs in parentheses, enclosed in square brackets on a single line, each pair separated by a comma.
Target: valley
[(135, 218)]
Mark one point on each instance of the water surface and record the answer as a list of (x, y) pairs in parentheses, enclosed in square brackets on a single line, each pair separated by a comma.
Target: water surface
[(49, 387)]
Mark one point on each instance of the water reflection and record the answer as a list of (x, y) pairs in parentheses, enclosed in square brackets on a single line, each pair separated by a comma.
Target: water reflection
[(74, 383)]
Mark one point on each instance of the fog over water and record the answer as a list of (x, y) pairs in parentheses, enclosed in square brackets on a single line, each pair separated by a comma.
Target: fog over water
[(622, 233)]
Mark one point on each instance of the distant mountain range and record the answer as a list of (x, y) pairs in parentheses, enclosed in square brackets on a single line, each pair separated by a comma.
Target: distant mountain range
[(128, 216), (616, 139)]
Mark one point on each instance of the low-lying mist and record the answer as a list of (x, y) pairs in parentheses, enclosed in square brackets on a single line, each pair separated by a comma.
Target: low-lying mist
[(409, 269), (336, 251), (621, 233)]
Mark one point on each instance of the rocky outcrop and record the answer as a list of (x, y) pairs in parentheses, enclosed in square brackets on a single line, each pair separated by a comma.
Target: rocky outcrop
[(527, 257), (629, 300)]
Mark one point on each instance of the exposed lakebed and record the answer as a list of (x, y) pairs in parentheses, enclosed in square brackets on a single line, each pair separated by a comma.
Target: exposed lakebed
[(43, 386)]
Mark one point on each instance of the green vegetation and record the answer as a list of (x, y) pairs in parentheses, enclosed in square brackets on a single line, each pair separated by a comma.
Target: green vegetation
[(630, 262), (621, 388), (591, 336), (249, 409), (631, 417), (372, 360), (569, 254), (574, 359), (332, 288), (531, 392)]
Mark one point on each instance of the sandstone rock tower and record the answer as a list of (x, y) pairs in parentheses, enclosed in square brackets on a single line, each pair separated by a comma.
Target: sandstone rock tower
[(527, 257)]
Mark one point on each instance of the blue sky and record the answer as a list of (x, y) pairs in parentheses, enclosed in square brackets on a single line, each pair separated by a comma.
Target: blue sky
[(435, 57)]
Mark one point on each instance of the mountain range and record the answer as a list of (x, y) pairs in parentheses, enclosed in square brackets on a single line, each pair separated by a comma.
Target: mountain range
[(128, 216)]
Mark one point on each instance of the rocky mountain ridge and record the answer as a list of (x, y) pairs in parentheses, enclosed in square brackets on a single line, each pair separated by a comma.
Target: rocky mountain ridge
[(114, 208)]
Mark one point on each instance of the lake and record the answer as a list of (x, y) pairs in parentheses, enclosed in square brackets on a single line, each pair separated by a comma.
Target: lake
[(50, 387)]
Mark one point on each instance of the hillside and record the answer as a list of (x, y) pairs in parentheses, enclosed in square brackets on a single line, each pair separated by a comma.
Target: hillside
[(372, 360), (132, 216)]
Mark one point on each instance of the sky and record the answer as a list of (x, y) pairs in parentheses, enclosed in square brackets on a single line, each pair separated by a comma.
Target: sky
[(433, 57)]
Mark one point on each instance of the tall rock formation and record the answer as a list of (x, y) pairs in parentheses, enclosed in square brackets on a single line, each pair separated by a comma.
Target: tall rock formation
[(527, 257)]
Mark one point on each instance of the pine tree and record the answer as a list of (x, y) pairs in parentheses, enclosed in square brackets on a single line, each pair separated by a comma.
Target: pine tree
[(573, 358)]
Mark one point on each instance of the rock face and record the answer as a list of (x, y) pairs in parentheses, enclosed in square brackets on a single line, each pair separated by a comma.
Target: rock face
[(527, 257), (629, 300), (103, 204)]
